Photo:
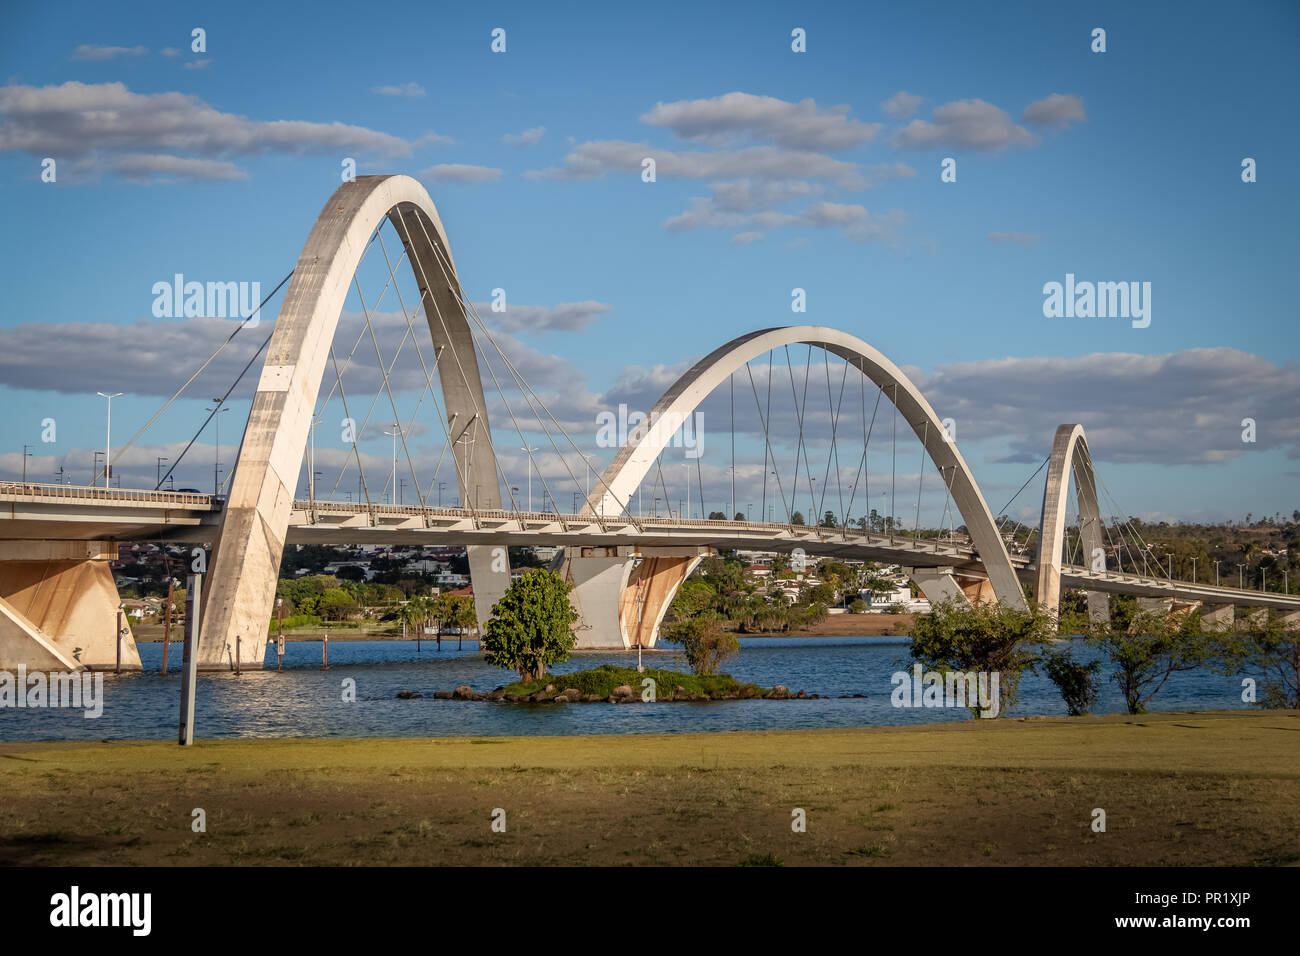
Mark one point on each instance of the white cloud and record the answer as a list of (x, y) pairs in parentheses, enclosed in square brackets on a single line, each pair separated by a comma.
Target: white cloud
[(1055, 110), (83, 120), (528, 137), (973, 124), (89, 51), (902, 104), (802, 125), (1174, 408), (139, 167), (403, 89), (564, 317), (593, 160)]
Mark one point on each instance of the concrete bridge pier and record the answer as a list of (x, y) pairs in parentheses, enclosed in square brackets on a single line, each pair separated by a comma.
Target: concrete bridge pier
[(598, 576), (939, 585), (1217, 617), (1251, 618), (59, 607), (622, 593), (1156, 605)]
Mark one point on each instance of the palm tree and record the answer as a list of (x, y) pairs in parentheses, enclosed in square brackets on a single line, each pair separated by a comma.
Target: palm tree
[(414, 613)]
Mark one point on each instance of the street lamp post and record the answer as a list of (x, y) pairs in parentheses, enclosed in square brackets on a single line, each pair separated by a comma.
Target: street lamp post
[(217, 408), (529, 452), (108, 436), (94, 469), (158, 482), (1193, 570), (1241, 576), (397, 430), (1216, 571), (26, 455)]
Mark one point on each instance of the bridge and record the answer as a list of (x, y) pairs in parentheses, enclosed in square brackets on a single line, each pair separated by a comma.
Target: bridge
[(58, 601)]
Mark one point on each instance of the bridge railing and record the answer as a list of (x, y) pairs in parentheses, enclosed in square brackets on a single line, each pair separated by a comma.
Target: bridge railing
[(87, 493), (377, 509)]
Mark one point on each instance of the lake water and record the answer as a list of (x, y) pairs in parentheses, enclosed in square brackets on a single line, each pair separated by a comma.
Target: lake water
[(304, 700)]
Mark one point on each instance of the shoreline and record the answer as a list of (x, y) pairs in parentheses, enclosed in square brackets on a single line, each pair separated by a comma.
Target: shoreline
[(838, 625)]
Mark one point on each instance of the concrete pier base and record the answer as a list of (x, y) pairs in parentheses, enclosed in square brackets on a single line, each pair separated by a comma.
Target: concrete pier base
[(938, 585), (622, 593), (1150, 605), (1217, 617), (1252, 618), (59, 607)]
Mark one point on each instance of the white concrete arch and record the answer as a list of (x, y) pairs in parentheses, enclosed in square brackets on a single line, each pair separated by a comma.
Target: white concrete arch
[(637, 456), (246, 561), (1070, 455)]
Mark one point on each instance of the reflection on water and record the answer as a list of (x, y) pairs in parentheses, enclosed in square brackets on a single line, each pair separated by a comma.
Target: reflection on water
[(304, 700)]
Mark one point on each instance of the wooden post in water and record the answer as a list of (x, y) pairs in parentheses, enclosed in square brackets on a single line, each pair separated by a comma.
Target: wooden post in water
[(279, 634), (325, 651), (117, 667), (167, 620), (237, 653), (190, 658)]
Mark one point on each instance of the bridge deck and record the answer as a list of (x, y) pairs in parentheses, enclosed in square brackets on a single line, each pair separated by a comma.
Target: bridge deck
[(67, 512)]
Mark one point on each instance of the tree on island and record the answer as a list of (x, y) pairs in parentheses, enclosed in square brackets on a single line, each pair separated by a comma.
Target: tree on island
[(703, 640), (530, 625)]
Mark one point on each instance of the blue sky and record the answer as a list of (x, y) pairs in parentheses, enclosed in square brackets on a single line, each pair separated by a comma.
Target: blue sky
[(1128, 170)]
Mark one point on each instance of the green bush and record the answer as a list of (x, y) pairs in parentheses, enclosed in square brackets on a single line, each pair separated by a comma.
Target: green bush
[(1077, 682), (602, 680), (703, 641)]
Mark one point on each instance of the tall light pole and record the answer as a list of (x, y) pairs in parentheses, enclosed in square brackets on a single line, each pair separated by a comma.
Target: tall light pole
[(529, 451), (396, 432), (108, 436), (1193, 570), (1216, 571), (1241, 576), (217, 409), (687, 483), (158, 482), (26, 455)]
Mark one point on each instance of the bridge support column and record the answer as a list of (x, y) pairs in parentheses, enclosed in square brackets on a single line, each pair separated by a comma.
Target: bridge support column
[(489, 575), (977, 590), (622, 593), (598, 576), (1217, 617), (1291, 620), (938, 585), (1150, 605), (651, 587), (59, 607), (1098, 607), (1251, 618)]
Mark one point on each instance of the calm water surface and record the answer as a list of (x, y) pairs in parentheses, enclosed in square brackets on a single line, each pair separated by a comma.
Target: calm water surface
[(304, 700)]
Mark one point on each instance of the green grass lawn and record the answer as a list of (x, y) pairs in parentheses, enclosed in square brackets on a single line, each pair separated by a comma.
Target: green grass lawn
[(1178, 789)]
